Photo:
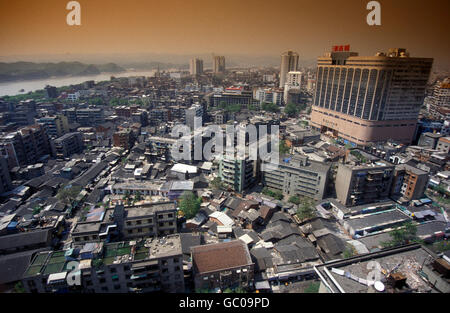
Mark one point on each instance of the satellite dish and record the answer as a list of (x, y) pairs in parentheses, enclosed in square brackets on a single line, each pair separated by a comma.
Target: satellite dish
[(379, 286)]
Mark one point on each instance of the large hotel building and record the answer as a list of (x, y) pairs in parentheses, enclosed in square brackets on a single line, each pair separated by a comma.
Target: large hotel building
[(369, 99)]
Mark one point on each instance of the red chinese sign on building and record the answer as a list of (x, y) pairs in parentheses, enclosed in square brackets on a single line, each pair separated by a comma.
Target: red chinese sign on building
[(341, 48)]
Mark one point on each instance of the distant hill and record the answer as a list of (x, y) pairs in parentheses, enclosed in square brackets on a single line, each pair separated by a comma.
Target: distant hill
[(28, 70)]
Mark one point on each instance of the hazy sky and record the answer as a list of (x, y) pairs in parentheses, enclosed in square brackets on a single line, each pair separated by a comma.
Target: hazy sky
[(260, 27)]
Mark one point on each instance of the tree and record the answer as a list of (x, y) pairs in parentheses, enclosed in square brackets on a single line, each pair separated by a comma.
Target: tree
[(18, 287), (403, 235), (278, 195), (274, 194), (190, 204), (284, 149), (270, 107), (306, 209), (137, 196), (217, 184), (126, 196), (291, 109), (37, 210), (349, 251), (312, 288), (67, 194), (294, 200)]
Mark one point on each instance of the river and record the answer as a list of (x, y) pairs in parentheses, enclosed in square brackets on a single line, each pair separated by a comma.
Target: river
[(12, 88)]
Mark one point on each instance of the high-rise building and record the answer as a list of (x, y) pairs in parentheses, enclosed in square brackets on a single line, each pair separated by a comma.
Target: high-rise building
[(289, 63), (195, 111), (293, 84), (56, 126), (219, 64), (238, 174), (51, 91), (196, 66), (5, 178), (298, 176), (369, 99), (25, 146), (361, 184), (67, 145), (440, 101)]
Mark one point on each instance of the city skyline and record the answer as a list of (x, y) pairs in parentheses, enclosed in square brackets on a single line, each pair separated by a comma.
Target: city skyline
[(199, 27)]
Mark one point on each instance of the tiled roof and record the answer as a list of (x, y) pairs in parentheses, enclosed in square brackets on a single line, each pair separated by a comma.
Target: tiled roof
[(225, 255)]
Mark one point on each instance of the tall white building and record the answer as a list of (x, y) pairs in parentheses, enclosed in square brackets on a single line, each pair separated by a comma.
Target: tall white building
[(289, 63), (196, 66), (195, 111), (293, 81), (219, 64)]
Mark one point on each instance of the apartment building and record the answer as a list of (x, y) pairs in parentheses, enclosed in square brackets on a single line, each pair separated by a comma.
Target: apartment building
[(154, 220), (68, 144), (158, 116), (299, 176), (360, 184), (5, 178), (409, 182), (56, 126), (85, 117), (123, 139), (238, 174), (443, 145), (25, 146), (440, 99), (193, 113), (146, 265)]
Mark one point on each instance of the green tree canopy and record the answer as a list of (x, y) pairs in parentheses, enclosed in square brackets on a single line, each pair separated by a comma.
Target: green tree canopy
[(277, 194), (349, 251), (402, 235), (284, 149), (294, 200), (306, 209), (292, 109), (67, 194), (270, 107), (189, 204), (217, 184)]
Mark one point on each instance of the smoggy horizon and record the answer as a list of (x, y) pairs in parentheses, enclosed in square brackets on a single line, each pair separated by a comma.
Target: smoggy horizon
[(37, 30)]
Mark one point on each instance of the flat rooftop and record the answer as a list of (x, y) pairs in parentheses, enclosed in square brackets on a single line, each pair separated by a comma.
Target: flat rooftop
[(407, 260), (377, 219), (81, 228), (148, 209), (136, 251)]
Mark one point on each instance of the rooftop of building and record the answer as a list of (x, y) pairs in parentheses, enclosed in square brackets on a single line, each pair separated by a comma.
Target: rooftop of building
[(135, 251), (220, 256), (352, 275), (376, 219), (148, 209)]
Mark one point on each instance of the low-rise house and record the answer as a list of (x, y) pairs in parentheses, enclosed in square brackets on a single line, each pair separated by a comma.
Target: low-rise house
[(222, 265)]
